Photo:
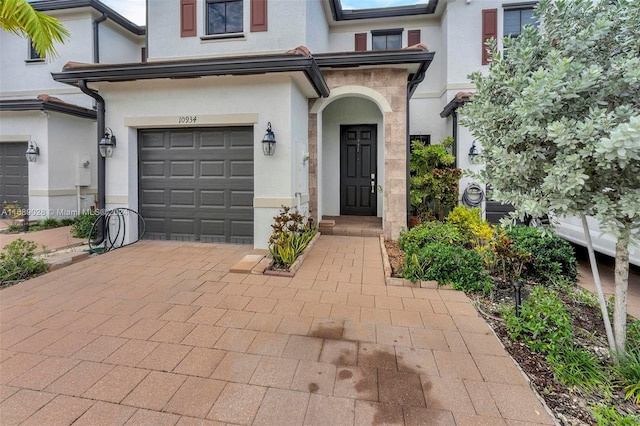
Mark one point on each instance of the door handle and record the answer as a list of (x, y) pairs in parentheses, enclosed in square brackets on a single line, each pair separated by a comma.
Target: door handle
[(373, 183)]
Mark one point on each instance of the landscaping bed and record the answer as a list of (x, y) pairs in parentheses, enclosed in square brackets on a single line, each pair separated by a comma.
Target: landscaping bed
[(559, 339)]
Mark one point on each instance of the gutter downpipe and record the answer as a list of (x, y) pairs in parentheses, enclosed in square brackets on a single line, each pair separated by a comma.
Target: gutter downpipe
[(101, 160), (96, 37), (454, 148)]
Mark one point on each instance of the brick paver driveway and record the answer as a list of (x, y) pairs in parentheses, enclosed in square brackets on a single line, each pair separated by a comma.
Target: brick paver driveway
[(160, 333)]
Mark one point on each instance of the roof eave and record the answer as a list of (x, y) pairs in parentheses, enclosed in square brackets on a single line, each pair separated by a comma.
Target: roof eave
[(452, 106), (39, 105), (194, 69), (382, 57)]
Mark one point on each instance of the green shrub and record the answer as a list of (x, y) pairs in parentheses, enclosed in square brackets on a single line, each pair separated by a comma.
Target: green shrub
[(18, 261), (469, 222), (551, 256), (67, 221), (447, 264), (544, 324), (82, 225), (413, 240), (577, 367), (607, 415), (628, 370), (50, 223)]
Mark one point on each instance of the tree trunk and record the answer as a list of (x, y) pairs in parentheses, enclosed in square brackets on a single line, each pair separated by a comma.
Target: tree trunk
[(622, 284)]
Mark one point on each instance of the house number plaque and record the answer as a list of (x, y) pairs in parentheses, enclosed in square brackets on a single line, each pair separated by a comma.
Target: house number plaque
[(187, 119)]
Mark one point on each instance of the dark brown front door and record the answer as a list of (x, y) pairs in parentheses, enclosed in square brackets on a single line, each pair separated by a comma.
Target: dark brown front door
[(358, 173)]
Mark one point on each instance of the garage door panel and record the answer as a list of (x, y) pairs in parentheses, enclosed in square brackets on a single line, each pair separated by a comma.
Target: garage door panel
[(241, 168), (183, 226), (182, 140), (14, 174), (153, 141), (242, 199), (212, 139), (212, 168), (152, 169), (212, 198), (242, 228), (181, 169), (198, 185), (212, 228), (183, 198)]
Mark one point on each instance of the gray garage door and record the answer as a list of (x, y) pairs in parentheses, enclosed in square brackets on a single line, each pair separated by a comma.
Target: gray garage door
[(14, 174), (197, 184)]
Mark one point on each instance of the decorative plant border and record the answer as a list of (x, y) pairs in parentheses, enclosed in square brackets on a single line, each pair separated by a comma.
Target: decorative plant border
[(296, 265)]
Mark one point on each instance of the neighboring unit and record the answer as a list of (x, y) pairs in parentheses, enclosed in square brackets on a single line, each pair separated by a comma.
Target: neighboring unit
[(56, 121)]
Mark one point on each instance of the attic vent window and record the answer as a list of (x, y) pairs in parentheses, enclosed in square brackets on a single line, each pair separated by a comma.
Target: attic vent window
[(386, 39), (224, 16)]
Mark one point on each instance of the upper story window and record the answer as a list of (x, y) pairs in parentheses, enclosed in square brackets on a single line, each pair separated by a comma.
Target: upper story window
[(224, 16), (386, 39), (34, 56), (516, 19)]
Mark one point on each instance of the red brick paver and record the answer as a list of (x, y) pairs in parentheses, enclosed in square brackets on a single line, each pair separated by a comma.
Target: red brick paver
[(161, 333)]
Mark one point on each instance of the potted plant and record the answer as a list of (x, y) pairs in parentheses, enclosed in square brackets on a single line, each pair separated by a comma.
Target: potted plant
[(433, 181)]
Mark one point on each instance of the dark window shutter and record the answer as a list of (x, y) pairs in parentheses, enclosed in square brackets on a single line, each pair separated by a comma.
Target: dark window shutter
[(187, 18), (361, 42), (143, 54), (258, 15), (413, 37), (489, 30)]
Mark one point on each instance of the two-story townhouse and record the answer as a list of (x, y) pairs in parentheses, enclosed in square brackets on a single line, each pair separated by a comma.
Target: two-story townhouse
[(56, 120), (191, 120), (342, 90)]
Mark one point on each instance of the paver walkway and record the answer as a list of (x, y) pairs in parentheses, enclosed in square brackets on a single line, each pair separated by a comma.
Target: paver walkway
[(51, 239), (160, 333)]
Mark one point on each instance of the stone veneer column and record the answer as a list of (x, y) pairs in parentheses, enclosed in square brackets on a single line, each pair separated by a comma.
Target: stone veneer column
[(392, 84)]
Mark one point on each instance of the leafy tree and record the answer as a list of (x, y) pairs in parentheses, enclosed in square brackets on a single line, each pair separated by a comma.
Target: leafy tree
[(558, 115), (18, 17)]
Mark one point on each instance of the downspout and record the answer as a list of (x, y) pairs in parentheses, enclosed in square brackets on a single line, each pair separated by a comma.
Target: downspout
[(96, 37), (101, 161), (454, 148)]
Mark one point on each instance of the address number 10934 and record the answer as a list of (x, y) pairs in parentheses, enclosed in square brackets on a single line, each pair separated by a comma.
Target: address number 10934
[(186, 119)]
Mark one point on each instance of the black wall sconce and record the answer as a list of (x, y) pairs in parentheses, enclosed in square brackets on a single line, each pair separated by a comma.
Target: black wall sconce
[(474, 154), (269, 142), (107, 143), (32, 152)]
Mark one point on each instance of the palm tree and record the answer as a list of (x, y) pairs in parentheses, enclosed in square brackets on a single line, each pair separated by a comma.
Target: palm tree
[(18, 17)]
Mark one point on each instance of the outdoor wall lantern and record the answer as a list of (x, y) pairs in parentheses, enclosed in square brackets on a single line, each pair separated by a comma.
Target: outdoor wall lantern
[(32, 152), (107, 143), (269, 142), (474, 154)]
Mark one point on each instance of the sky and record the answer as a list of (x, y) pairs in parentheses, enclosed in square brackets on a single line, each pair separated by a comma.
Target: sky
[(134, 9)]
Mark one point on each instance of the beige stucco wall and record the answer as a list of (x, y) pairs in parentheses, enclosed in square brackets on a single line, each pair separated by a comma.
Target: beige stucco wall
[(387, 87)]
